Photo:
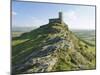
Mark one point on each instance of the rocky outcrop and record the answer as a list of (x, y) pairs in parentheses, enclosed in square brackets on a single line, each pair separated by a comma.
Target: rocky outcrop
[(51, 48)]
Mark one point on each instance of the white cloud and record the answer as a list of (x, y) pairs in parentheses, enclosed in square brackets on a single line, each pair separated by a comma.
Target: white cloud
[(78, 21), (14, 13), (72, 15), (38, 22), (70, 18)]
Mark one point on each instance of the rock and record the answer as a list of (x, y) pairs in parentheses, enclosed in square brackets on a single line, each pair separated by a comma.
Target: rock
[(46, 54), (55, 40), (46, 50)]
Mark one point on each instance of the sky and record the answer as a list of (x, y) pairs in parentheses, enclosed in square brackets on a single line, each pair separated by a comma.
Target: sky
[(32, 14)]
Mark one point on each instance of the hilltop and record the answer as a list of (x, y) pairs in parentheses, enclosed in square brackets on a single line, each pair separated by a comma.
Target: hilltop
[(51, 47)]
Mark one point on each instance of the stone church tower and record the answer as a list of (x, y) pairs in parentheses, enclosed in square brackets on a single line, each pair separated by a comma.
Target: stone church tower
[(57, 20), (60, 17)]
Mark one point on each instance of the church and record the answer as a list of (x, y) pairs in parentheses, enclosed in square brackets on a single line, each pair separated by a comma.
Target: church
[(57, 20)]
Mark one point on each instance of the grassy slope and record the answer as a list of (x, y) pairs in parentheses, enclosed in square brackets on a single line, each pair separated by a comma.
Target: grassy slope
[(85, 55), (28, 42)]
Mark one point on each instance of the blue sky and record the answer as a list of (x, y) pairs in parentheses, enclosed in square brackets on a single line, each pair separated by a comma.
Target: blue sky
[(30, 14)]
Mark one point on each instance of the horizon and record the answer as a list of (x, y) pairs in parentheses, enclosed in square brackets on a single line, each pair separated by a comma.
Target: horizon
[(39, 14), (28, 29)]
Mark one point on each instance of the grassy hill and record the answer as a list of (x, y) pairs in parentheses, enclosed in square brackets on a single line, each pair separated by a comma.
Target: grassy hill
[(49, 48)]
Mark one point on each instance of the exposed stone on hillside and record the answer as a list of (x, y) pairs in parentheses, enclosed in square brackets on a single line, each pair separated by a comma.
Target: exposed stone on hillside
[(51, 47)]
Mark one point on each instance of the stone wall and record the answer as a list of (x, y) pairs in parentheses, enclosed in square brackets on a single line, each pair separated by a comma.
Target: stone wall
[(54, 21)]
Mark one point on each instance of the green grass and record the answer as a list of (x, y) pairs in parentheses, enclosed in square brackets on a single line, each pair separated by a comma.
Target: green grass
[(83, 51), (88, 36), (16, 42), (21, 50)]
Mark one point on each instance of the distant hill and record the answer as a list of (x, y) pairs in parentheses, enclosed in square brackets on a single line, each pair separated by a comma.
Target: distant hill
[(22, 29), (51, 47)]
